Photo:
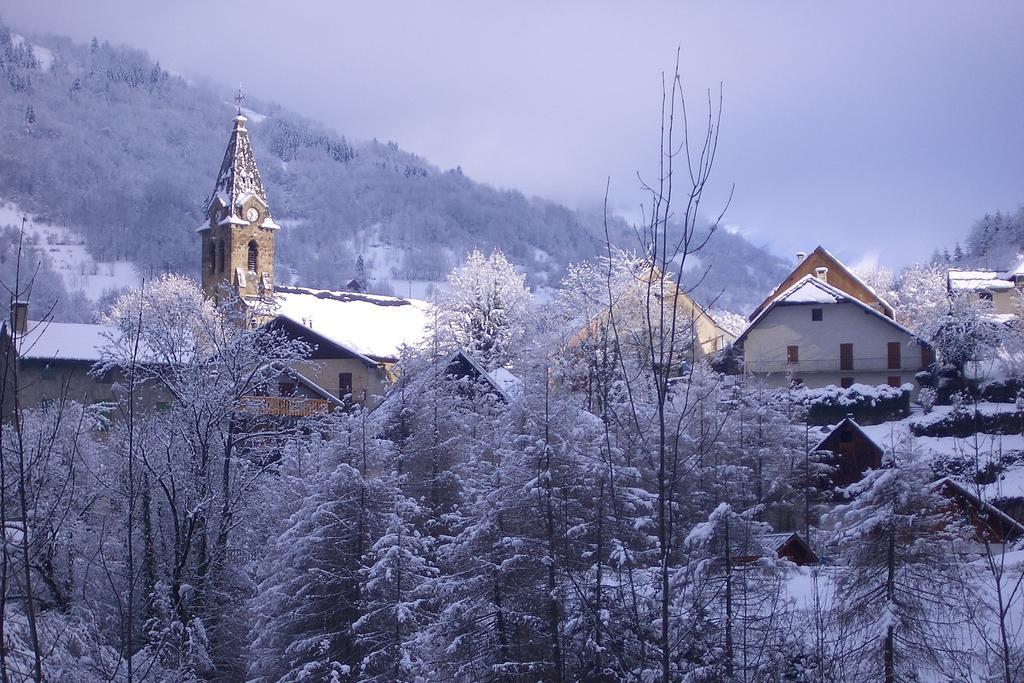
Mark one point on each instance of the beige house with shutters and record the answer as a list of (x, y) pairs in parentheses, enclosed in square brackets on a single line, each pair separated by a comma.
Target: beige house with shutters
[(815, 334)]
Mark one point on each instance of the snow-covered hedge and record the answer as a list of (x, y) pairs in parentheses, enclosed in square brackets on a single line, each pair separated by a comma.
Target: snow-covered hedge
[(867, 404)]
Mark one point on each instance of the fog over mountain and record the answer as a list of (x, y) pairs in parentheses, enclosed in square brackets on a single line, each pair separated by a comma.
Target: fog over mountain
[(124, 153)]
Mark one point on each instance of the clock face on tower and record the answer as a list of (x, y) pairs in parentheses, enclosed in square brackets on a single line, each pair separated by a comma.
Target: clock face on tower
[(252, 214)]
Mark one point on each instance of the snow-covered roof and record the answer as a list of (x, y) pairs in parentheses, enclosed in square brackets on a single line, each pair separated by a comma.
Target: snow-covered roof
[(857, 279), (846, 421), (833, 263), (505, 381), (368, 324), (813, 290), (989, 508), (978, 280), (1018, 268), (45, 340)]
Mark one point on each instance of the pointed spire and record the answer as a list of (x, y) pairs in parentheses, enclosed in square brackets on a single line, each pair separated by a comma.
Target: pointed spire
[(239, 177)]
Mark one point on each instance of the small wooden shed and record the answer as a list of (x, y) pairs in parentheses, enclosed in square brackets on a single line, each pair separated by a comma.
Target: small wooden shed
[(853, 453)]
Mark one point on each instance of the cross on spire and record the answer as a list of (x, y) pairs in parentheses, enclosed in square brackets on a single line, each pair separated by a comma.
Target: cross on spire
[(239, 98)]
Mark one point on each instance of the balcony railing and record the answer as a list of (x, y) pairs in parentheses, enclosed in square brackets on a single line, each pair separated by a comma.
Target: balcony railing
[(828, 365), (281, 406)]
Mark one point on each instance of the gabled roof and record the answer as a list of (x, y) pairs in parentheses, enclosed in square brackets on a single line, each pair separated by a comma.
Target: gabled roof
[(501, 380), (777, 542), (1007, 522), (811, 290), (312, 386), (847, 422), (821, 257), (239, 178), (45, 340), (977, 280), (325, 345), (374, 326)]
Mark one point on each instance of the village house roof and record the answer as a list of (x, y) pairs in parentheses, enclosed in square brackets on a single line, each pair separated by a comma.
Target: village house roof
[(791, 546), (371, 325), (1006, 526), (813, 290), (46, 340), (464, 364), (977, 280), (824, 444), (852, 285), (324, 345)]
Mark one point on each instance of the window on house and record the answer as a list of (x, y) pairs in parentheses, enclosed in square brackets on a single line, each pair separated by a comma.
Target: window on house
[(895, 362), (846, 356), (792, 354), (985, 296), (895, 381), (345, 386), (846, 382), (220, 256), (817, 314), (253, 256)]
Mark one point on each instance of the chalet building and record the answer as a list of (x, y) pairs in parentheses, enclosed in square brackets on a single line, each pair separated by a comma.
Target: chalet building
[(52, 361), (357, 337), (839, 276), (693, 323), (829, 328), (790, 546), (990, 524), (1001, 288), (853, 453)]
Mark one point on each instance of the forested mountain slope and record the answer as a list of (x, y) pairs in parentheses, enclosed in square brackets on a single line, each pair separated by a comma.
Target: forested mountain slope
[(994, 241), (103, 140)]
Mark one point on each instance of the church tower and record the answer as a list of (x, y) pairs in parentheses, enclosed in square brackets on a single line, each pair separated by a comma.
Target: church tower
[(238, 236)]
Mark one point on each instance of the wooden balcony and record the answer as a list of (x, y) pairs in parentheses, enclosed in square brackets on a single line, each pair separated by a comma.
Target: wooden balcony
[(281, 406)]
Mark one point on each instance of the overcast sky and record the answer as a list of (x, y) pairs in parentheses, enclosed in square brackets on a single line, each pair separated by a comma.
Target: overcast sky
[(878, 129)]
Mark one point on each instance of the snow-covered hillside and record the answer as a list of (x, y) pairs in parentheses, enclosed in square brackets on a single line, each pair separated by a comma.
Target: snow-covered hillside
[(66, 250)]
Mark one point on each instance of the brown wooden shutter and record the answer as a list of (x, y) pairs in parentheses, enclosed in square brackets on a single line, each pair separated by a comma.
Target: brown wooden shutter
[(792, 354), (895, 362), (846, 356)]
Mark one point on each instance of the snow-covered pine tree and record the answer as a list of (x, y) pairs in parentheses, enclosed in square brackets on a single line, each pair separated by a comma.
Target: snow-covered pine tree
[(729, 599), (310, 584), (395, 600), (484, 309), (896, 592)]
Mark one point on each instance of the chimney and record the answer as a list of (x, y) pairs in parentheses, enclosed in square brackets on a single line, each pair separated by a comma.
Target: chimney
[(19, 316), (822, 273), (800, 256)]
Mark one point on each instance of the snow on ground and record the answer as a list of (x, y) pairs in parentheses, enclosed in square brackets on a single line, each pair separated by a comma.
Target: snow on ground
[(43, 55), (986, 448), (69, 257)]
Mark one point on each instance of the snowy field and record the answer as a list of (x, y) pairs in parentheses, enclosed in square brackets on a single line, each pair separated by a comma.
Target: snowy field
[(69, 257)]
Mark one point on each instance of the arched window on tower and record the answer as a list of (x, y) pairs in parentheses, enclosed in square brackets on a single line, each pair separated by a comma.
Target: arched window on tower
[(253, 256), (212, 256), (220, 256)]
